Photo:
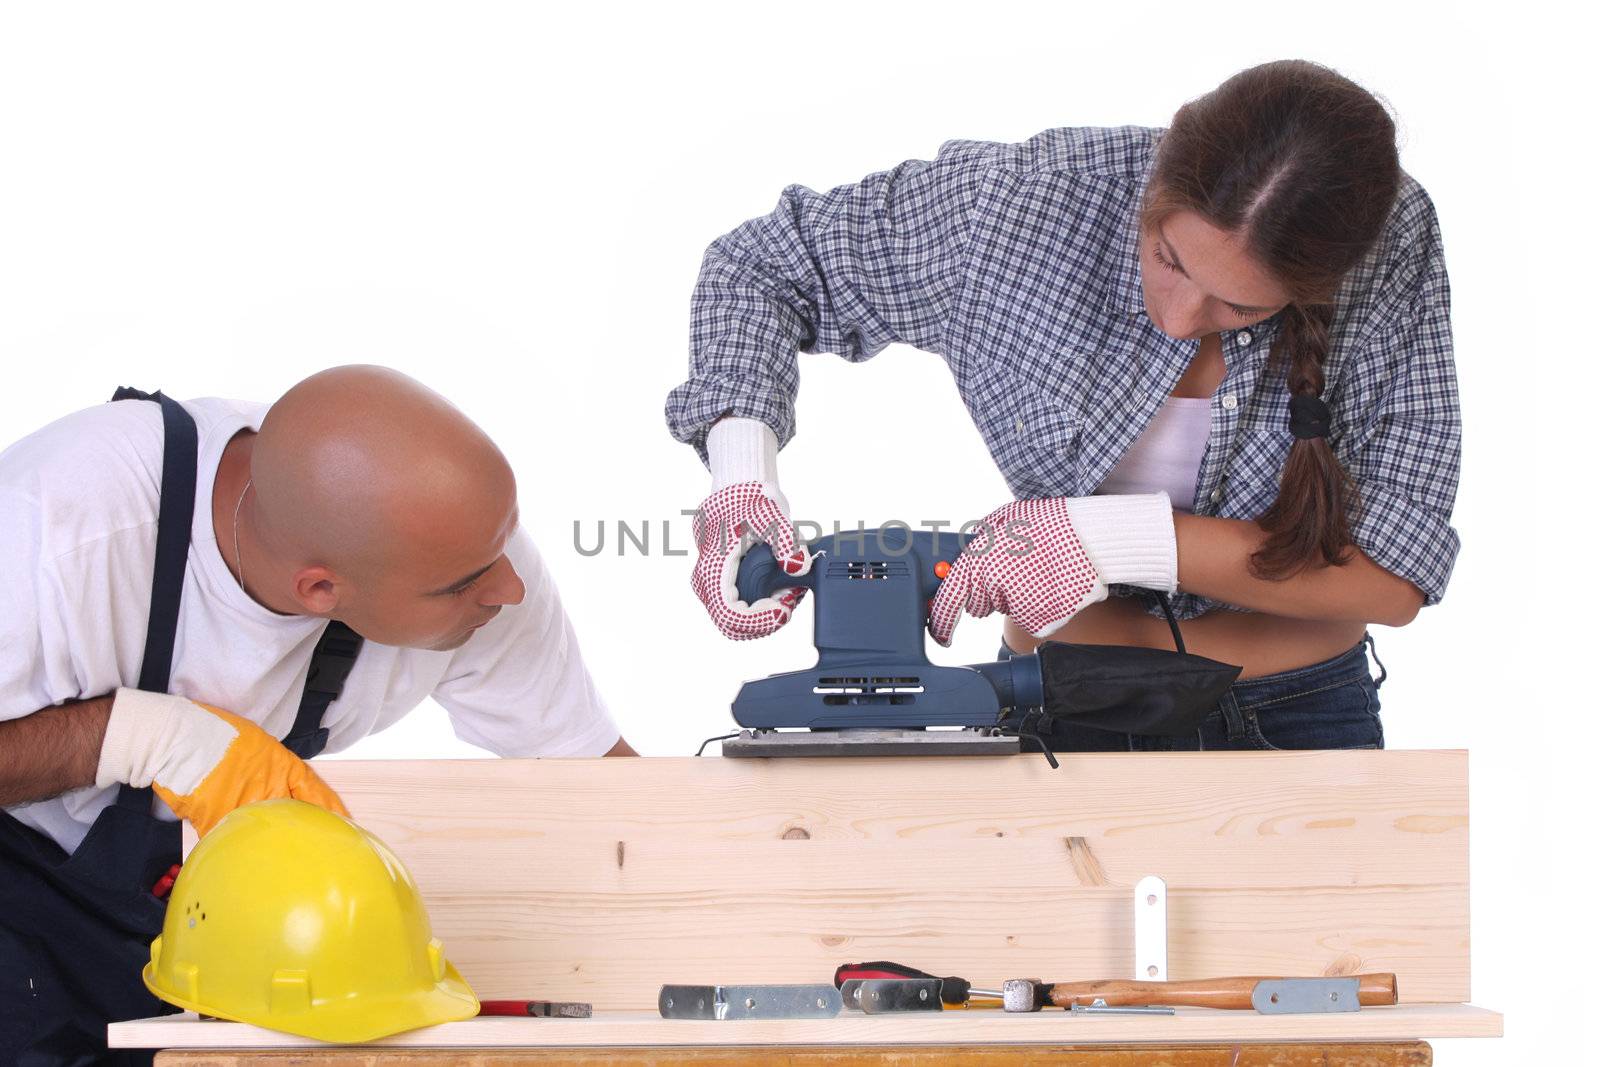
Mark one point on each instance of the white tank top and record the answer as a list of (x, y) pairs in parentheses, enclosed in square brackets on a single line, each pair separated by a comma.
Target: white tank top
[(1167, 455)]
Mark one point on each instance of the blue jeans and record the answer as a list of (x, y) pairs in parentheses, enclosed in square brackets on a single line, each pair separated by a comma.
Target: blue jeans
[(1332, 704)]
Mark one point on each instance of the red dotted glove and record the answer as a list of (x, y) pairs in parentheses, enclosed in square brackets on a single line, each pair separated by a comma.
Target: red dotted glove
[(725, 520), (1027, 562)]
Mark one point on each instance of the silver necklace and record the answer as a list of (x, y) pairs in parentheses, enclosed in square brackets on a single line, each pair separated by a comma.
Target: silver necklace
[(238, 560)]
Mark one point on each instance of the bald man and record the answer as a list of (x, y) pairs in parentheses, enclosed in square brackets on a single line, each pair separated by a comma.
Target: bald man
[(360, 499)]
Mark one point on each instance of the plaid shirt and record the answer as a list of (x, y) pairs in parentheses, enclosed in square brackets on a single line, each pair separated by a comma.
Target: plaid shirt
[(1018, 264)]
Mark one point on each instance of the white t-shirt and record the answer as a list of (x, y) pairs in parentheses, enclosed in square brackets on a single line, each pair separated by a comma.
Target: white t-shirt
[(1167, 454), (78, 511)]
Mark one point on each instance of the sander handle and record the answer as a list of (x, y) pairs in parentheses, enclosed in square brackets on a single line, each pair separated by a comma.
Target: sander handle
[(760, 576), (1233, 993)]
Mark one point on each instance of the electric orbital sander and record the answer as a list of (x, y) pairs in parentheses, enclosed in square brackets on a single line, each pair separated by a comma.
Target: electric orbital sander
[(874, 692)]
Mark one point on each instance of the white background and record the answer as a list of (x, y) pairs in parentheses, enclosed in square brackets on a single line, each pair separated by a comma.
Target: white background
[(510, 203)]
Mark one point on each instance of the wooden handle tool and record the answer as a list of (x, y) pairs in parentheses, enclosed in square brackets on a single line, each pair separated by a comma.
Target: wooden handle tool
[(1231, 993)]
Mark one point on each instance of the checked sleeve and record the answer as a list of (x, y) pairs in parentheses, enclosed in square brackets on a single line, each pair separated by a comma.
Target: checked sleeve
[(849, 271), (1405, 454)]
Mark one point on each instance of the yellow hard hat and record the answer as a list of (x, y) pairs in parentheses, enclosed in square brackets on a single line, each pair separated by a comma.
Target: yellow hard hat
[(291, 917)]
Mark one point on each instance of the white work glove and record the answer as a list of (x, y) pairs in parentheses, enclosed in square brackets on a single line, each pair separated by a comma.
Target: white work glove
[(745, 500), (201, 760), (1040, 562)]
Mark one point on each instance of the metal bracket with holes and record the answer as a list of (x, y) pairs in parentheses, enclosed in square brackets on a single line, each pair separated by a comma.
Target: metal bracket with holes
[(1306, 996), (749, 1002), (1099, 1008), (884, 996), (1150, 930)]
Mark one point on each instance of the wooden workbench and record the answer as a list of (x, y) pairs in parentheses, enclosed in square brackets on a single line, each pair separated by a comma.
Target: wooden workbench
[(600, 880), (1406, 1054)]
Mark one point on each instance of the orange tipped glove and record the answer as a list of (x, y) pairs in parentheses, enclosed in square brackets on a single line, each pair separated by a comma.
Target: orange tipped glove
[(201, 760)]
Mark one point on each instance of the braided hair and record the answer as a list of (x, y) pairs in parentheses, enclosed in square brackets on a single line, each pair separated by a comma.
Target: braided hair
[(1300, 163)]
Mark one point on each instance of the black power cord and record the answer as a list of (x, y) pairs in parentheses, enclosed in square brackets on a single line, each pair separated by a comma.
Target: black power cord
[(719, 737)]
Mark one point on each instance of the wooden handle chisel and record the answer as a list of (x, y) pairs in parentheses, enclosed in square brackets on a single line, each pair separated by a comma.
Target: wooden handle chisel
[(1231, 993)]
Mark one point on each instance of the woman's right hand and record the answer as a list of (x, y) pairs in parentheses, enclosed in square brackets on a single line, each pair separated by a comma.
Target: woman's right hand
[(723, 526)]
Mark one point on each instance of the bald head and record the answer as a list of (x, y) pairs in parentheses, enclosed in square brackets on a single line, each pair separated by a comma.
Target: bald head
[(363, 469)]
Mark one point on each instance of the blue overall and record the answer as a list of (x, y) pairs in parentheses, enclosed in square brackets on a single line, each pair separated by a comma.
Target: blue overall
[(75, 930)]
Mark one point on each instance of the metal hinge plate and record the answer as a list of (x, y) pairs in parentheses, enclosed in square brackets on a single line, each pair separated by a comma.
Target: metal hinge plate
[(749, 1002)]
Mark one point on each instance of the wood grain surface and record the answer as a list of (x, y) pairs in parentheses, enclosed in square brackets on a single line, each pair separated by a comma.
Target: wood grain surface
[(601, 880), (617, 1029)]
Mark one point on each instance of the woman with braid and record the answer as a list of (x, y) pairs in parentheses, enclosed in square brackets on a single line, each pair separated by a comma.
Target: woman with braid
[(1212, 360)]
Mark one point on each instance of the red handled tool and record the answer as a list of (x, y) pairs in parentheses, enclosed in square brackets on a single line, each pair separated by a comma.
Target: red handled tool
[(545, 1009), (164, 884)]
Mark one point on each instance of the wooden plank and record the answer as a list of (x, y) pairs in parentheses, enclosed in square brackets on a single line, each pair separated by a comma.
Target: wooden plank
[(1414, 1022), (599, 880), (1393, 1054)]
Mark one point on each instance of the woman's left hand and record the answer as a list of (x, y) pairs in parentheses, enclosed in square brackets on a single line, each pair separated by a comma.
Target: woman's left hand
[(1027, 562), (1031, 562)]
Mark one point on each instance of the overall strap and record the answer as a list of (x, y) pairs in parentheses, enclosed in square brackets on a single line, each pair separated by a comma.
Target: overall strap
[(331, 662), (335, 652), (175, 518)]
